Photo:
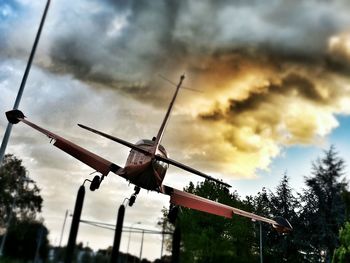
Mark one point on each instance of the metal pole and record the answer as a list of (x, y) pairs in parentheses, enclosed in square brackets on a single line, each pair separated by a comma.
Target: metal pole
[(143, 232), (161, 249), (261, 244), (127, 250), (175, 258), (39, 241), (75, 224), (118, 234), (13, 207), (24, 79), (7, 227), (64, 223)]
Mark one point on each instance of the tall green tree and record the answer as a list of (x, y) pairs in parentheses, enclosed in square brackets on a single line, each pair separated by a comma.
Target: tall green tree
[(20, 201), (342, 253), (24, 238), (281, 247), (324, 211), (19, 195), (209, 238)]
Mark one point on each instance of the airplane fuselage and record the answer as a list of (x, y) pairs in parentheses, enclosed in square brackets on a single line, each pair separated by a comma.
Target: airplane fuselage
[(143, 170)]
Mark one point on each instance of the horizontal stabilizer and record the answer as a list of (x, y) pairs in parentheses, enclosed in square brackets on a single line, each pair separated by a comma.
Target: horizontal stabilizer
[(125, 143), (158, 157), (190, 169)]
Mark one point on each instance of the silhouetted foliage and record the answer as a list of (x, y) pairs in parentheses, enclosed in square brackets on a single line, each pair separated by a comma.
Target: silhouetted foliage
[(342, 253), (209, 238), (316, 215), (20, 201), (23, 239), (19, 195), (280, 247), (323, 211)]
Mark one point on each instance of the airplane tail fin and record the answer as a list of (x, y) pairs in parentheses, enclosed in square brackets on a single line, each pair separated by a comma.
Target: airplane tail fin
[(167, 115)]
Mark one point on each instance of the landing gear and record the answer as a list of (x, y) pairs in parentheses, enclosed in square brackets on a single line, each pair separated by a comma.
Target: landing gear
[(132, 198), (95, 183)]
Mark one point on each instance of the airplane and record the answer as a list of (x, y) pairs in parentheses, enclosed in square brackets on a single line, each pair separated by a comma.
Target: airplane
[(146, 167)]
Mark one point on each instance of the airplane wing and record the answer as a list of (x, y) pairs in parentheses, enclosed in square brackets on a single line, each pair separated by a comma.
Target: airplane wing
[(94, 161), (192, 201)]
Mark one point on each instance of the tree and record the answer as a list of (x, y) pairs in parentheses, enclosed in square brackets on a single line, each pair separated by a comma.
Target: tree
[(23, 239), (20, 201), (323, 212), (284, 248), (342, 253), (19, 195), (210, 238)]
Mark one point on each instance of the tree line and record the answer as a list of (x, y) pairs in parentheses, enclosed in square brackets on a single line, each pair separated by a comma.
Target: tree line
[(319, 214), (23, 235)]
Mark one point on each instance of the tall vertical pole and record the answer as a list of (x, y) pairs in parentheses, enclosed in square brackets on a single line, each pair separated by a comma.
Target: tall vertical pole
[(24, 79), (62, 231), (143, 233), (161, 249), (118, 234), (38, 244), (13, 207), (4, 237), (127, 250), (175, 258), (75, 224), (261, 244)]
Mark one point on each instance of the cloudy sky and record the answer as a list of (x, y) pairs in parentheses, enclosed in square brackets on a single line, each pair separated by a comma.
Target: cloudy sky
[(274, 77)]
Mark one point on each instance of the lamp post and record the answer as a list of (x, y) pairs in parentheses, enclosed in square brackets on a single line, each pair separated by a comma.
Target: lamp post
[(261, 244), (143, 233), (23, 83), (127, 250), (13, 207), (64, 223)]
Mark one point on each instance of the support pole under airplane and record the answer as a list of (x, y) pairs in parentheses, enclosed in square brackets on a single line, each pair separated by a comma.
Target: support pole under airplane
[(118, 234), (75, 224)]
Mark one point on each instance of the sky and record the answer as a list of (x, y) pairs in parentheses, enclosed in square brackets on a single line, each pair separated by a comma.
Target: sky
[(273, 76)]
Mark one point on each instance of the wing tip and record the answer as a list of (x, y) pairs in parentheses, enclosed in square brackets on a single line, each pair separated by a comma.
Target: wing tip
[(14, 116), (283, 225), (227, 185)]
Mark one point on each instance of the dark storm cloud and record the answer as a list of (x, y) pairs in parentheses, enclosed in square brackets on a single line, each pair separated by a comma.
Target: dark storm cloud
[(292, 85), (130, 41), (259, 61), (122, 44), (117, 45)]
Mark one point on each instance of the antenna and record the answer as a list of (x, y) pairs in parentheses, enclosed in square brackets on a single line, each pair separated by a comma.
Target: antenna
[(165, 120), (174, 84)]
